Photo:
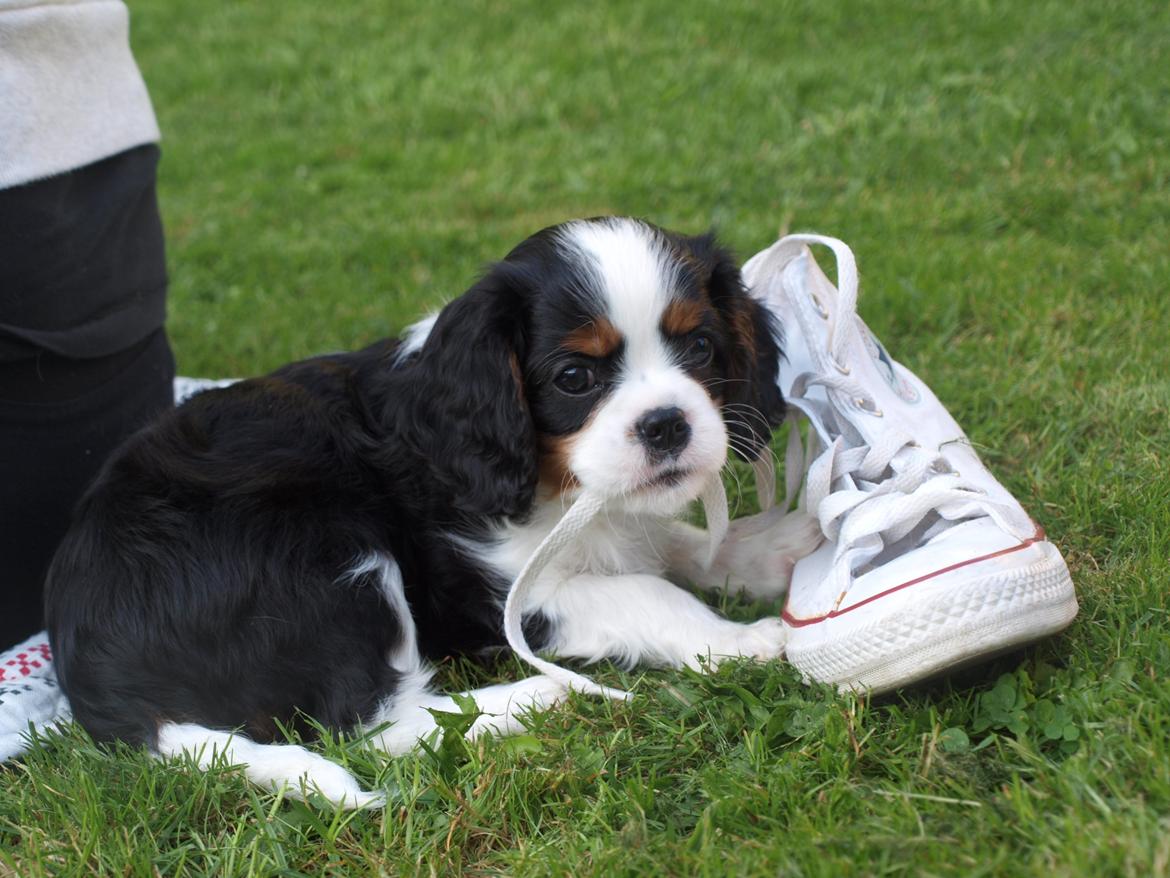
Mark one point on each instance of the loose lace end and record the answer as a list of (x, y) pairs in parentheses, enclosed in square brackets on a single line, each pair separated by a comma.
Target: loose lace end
[(714, 498), (765, 470), (583, 511)]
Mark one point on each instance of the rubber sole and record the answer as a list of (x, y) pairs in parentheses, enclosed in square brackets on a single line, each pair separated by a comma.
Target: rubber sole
[(956, 627)]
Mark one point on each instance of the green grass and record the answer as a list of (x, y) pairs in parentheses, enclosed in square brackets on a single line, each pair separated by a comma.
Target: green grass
[(332, 170)]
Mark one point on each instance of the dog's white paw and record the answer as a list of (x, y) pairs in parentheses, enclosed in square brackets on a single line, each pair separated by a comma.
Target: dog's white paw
[(315, 775), (760, 551), (504, 706), (762, 640)]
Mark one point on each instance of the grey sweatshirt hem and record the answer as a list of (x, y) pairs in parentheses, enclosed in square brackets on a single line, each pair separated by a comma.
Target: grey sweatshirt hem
[(70, 92)]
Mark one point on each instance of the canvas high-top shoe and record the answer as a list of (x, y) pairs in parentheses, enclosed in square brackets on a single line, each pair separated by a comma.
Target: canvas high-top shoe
[(928, 562)]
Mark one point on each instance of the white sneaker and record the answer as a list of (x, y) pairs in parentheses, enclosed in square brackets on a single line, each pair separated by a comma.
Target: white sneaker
[(929, 563)]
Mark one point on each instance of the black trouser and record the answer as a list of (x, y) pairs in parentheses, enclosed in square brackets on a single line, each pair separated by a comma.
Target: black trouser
[(84, 360)]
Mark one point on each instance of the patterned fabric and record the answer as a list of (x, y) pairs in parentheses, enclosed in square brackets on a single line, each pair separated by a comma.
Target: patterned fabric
[(29, 694)]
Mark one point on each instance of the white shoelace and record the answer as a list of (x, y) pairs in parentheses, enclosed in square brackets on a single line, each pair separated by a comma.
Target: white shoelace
[(572, 523), (865, 496)]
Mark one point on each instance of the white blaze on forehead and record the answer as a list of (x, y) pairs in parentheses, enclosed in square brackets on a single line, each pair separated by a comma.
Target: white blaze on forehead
[(635, 276)]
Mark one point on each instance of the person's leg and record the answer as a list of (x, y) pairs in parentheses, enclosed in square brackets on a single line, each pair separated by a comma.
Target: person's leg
[(52, 446), (84, 360)]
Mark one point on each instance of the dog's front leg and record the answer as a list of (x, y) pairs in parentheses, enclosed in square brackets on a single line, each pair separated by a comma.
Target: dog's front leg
[(756, 557), (643, 619)]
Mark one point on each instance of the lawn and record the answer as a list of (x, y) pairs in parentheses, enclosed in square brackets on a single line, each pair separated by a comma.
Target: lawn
[(332, 170)]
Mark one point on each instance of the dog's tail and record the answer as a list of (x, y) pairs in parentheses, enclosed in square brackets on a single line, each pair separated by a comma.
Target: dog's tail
[(272, 766)]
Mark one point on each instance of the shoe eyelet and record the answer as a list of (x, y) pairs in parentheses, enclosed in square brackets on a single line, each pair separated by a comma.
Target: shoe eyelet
[(844, 370), (819, 306), (867, 406)]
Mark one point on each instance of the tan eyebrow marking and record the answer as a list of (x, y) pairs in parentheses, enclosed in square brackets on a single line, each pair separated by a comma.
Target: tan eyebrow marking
[(682, 316), (598, 338), (555, 451), (745, 329)]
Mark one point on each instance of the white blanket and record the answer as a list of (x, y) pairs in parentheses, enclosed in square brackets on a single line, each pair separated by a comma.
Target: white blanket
[(29, 695)]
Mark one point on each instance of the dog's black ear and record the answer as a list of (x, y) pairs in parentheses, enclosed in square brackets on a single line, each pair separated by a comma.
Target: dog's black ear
[(469, 420), (752, 403)]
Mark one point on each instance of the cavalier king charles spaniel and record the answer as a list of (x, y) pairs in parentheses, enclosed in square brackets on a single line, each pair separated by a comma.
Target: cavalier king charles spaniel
[(307, 543)]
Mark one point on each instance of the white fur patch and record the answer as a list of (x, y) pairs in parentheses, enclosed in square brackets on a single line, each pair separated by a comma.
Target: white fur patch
[(415, 336), (503, 707), (272, 766), (642, 619), (404, 657)]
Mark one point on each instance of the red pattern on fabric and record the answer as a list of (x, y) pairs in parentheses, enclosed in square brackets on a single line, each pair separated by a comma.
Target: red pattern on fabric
[(24, 663)]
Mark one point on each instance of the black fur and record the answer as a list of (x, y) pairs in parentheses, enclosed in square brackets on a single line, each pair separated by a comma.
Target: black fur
[(468, 417)]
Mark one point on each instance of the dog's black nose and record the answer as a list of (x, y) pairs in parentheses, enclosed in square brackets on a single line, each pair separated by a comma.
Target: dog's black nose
[(665, 431)]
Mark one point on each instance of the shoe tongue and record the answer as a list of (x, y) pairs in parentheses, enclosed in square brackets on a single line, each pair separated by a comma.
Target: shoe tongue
[(828, 422), (885, 367), (882, 383)]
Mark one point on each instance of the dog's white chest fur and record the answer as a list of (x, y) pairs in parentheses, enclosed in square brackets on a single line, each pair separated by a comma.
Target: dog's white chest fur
[(615, 543)]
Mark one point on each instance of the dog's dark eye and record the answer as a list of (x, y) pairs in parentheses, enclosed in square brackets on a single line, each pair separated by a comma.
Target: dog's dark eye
[(576, 380), (700, 351)]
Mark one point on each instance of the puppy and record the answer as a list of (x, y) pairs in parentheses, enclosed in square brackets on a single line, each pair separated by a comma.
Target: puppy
[(305, 544)]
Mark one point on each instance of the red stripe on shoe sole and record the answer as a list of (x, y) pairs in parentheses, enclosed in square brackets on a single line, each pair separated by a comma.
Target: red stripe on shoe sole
[(791, 620)]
